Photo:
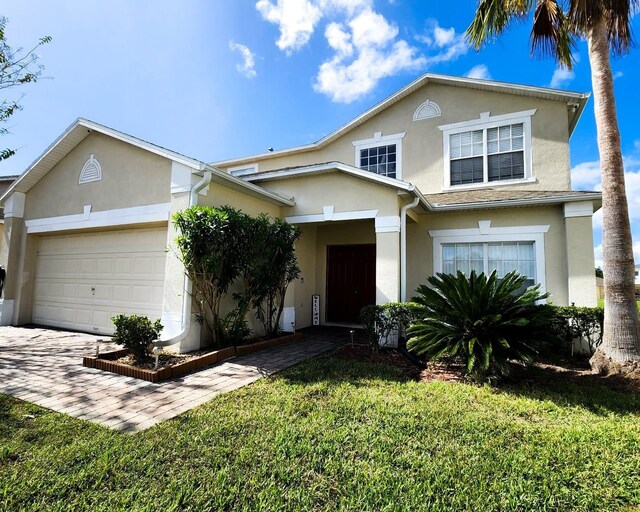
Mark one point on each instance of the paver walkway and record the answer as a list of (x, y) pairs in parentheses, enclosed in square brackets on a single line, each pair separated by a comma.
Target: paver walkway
[(44, 367)]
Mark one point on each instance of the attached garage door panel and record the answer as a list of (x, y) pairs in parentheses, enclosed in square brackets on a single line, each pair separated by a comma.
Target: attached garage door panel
[(84, 280)]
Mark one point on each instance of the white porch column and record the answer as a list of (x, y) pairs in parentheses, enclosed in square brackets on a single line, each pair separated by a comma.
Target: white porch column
[(387, 259), (580, 260)]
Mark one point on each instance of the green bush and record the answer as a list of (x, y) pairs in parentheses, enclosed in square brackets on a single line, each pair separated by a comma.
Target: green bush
[(379, 321), (573, 322), (485, 321), (136, 333)]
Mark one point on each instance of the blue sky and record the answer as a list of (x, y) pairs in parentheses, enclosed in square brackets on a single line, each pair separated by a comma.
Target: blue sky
[(224, 78)]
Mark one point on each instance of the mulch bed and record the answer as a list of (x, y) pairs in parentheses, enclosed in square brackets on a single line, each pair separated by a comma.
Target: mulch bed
[(165, 359), (547, 372)]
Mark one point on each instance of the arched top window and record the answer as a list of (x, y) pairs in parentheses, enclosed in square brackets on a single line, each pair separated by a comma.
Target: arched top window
[(91, 171)]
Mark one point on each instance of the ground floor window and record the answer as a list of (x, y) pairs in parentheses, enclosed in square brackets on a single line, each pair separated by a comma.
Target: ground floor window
[(504, 257)]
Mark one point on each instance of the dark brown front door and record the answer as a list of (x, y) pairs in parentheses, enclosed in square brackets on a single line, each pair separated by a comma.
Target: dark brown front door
[(351, 281)]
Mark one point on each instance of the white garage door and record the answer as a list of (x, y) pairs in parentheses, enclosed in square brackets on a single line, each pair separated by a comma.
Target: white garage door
[(84, 280)]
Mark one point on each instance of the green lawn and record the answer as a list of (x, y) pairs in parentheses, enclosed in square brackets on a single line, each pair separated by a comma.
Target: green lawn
[(601, 303), (332, 434)]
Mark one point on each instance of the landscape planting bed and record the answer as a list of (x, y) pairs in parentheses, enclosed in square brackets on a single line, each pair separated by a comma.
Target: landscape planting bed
[(108, 361)]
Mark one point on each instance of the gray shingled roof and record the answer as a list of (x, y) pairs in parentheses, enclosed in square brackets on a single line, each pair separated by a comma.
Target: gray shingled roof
[(491, 195)]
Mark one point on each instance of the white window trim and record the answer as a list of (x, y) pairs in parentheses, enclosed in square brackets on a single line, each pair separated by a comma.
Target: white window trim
[(243, 170), (485, 233), (485, 122), (381, 140)]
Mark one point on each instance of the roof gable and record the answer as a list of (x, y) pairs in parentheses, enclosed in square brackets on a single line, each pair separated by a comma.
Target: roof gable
[(576, 100)]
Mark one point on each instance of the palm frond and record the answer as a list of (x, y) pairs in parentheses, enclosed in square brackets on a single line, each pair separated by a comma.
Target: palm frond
[(617, 15), (551, 34), (493, 17)]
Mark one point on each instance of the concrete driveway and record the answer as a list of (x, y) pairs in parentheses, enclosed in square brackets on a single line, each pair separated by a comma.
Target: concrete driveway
[(44, 367)]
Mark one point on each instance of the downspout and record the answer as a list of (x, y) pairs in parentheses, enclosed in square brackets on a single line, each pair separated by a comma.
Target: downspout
[(403, 247), (186, 293)]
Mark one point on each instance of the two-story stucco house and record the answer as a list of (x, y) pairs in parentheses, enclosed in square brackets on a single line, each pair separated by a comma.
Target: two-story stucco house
[(447, 173)]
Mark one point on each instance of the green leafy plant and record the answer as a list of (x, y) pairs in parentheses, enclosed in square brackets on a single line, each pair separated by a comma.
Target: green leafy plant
[(573, 322), (136, 333), (379, 321), (485, 321)]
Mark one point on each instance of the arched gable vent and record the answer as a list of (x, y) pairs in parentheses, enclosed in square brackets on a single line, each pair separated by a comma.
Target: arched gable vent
[(91, 171), (427, 110)]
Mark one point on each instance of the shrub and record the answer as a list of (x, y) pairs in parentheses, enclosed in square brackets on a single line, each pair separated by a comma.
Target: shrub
[(136, 333), (379, 321), (483, 320), (571, 323)]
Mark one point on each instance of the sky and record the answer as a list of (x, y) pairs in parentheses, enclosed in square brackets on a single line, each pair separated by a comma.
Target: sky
[(216, 79)]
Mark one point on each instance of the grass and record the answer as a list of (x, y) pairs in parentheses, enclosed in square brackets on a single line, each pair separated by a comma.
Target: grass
[(332, 434), (601, 303)]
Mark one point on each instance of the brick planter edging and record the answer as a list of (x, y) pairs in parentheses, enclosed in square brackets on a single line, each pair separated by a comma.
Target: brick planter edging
[(106, 361)]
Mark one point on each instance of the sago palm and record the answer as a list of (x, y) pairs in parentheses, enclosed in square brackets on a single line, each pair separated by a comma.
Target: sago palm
[(606, 25), (485, 321)]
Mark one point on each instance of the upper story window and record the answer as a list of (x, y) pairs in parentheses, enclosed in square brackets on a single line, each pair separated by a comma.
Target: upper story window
[(488, 150), (381, 154)]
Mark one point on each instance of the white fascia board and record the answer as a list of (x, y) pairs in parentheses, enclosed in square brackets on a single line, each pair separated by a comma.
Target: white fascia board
[(107, 218), (148, 146), (244, 183), (330, 215), (487, 121), (328, 167)]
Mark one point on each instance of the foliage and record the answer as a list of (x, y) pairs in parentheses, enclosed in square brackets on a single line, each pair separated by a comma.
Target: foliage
[(209, 247), (583, 323), (337, 434), (270, 270), (379, 321), (136, 333), (221, 247), (17, 67), (485, 321), (599, 272)]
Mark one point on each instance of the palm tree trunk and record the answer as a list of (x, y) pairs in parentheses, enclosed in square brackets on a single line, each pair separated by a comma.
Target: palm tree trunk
[(621, 340)]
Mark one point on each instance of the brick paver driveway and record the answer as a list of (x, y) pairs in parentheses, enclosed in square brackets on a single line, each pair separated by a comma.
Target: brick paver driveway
[(45, 367)]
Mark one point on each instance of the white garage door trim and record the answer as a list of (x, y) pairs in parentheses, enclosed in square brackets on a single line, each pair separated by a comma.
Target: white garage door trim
[(82, 280)]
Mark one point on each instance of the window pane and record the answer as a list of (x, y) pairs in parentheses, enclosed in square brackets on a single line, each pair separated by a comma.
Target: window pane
[(517, 143), (506, 257), (455, 151), (454, 140), (465, 171), (492, 146), (477, 136), (505, 145), (462, 251), (492, 134), (449, 267), (381, 160), (517, 130), (465, 150), (505, 132), (478, 149), (477, 251), (466, 138)]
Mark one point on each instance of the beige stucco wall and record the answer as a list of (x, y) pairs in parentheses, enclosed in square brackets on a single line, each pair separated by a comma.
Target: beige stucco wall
[(423, 144), (420, 244), (130, 177), (344, 192)]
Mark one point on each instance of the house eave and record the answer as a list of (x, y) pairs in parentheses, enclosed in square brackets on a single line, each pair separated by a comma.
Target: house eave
[(596, 197)]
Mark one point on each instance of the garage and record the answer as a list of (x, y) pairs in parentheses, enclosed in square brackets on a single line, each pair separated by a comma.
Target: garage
[(83, 280)]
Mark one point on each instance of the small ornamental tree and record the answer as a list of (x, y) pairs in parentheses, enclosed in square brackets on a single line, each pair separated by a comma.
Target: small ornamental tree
[(208, 246), (269, 270), (220, 247)]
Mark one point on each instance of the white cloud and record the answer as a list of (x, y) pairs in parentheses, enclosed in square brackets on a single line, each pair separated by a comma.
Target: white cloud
[(636, 144), (618, 74), (247, 68), (297, 20), (346, 82), (447, 43), (367, 50), (366, 45), (479, 71), (561, 77), (338, 39), (370, 28)]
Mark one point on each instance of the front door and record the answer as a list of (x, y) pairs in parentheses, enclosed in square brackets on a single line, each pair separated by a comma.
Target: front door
[(351, 281)]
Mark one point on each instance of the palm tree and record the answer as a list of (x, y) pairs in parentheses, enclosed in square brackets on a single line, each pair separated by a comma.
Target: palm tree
[(605, 24)]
